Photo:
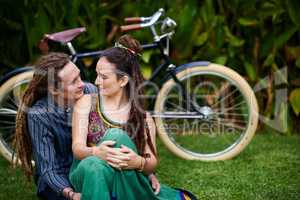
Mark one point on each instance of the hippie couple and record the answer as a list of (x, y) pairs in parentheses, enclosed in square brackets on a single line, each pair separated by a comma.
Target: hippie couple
[(88, 142)]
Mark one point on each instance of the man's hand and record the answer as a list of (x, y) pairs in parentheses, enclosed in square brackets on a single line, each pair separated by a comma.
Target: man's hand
[(76, 196), (70, 194), (154, 183)]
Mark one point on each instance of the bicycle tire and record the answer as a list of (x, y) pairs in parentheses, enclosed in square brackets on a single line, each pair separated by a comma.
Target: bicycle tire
[(9, 88), (215, 156)]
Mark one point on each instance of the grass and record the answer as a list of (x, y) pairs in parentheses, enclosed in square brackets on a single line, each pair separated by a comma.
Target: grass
[(269, 168)]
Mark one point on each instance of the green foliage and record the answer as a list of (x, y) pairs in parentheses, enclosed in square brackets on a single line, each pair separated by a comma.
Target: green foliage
[(255, 38), (295, 100)]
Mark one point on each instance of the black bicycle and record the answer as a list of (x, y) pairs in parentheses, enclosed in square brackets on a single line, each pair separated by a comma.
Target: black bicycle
[(202, 110)]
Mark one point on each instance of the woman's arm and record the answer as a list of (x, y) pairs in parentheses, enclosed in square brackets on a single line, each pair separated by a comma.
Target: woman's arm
[(80, 122), (145, 164), (150, 162)]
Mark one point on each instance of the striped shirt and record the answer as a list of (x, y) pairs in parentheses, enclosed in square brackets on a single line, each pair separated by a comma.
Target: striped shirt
[(50, 128)]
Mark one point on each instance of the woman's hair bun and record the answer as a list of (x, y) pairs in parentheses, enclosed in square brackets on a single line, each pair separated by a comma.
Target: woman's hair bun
[(131, 43)]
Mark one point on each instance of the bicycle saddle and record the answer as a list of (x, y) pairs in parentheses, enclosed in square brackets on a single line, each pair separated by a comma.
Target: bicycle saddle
[(65, 36)]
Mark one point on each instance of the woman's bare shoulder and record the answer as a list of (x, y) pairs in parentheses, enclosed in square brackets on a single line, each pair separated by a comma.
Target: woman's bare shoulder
[(84, 103)]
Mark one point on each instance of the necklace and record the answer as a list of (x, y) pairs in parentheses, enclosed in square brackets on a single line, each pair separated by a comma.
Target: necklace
[(105, 119)]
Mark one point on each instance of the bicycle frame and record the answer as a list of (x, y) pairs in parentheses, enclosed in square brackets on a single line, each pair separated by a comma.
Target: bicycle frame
[(161, 42), (77, 57)]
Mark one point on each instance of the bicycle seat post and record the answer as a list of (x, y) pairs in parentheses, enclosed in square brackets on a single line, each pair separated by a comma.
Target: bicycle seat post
[(71, 48)]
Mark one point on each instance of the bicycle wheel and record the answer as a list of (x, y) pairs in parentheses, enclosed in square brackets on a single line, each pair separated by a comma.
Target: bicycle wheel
[(11, 92), (228, 119)]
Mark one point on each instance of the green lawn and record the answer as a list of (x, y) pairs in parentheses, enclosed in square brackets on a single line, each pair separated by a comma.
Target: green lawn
[(269, 168)]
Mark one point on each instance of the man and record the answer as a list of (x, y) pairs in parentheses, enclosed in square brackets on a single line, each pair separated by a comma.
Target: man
[(45, 130)]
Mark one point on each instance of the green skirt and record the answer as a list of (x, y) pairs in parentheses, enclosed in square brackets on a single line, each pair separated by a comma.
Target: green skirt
[(95, 179)]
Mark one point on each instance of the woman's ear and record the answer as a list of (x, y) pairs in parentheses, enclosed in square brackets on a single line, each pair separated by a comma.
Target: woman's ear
[(124, 81)]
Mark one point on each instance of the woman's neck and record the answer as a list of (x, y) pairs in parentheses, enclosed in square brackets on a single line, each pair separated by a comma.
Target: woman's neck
[(116, 102)]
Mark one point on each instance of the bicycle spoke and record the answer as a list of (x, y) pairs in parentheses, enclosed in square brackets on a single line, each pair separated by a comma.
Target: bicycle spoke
[(231, 120), (234, 114), (173, 104), (7, 127), (230, 125), (229, 108), (221, 100), (13, 104), (7, 111), (6, 122)]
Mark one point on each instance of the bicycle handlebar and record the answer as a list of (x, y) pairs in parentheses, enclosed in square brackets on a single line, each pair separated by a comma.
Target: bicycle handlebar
[(130, 27), (147, 21), (133, 19)]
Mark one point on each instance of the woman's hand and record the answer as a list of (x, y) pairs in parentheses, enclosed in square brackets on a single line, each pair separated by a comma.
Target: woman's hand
[(113, 156), (124, 158), (103, 149), (134, 161), (154, 183)]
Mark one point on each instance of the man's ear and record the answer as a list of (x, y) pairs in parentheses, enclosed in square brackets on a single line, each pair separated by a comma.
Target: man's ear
[(124, 81)]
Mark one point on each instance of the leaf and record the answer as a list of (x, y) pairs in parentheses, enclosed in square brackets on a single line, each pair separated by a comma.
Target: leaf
[(283, 38), (201, 39), (271, 9), (221, 60), (208, 13), (298, 62), (247, 22), (219, 30), (146, 56), (146, 71), (269, 60), (293, 7), (10, 24), (250, 69), (295, 100), (294, 51), (233, 40), (267, 44)]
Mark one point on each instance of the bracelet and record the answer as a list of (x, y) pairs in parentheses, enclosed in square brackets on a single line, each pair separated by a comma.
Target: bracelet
[(142, 166), (145, 162)]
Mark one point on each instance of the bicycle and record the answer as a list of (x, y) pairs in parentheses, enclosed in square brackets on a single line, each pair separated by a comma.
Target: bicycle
[(203, 111)]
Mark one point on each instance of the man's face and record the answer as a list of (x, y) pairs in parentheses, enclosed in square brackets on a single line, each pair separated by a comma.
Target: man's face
[(71, 85)]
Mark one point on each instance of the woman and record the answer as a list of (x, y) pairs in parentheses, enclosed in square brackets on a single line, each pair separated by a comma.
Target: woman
[(115, 118)]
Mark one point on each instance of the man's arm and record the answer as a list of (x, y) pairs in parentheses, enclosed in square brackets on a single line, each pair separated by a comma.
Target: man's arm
[(43, 147)]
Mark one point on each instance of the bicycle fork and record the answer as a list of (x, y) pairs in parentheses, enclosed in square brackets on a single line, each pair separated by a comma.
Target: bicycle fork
[(191, 106)]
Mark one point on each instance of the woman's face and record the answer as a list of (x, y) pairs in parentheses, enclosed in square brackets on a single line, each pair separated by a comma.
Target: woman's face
[(107, 80)]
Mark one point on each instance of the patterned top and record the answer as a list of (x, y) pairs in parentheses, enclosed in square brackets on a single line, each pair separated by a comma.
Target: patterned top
[(98, 122)]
